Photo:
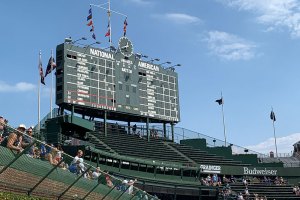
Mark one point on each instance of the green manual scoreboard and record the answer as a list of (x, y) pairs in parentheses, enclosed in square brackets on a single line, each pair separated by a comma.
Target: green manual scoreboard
[(92, 80)]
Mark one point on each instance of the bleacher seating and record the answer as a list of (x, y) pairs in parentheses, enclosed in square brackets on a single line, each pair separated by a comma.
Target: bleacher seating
[(202, 157), (278, 192), (117, 140), (132, 145)]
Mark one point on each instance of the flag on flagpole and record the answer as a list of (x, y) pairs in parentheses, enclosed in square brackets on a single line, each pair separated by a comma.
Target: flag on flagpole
[(94, 36), (220, 101), (51, 66), (40, 67), (92, 29), (125, 26), (272, 116), (90, 23), (108, 30), (90, 16)]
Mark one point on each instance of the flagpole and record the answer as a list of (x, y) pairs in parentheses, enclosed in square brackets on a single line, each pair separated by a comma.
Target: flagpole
[(51, 63), (223, 116), (109, 12), (39, 99), (274, 133)]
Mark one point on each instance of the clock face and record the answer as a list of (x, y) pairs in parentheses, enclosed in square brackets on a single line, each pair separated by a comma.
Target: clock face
[(125, 47)]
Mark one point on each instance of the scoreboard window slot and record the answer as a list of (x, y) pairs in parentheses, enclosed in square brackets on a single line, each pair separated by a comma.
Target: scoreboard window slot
[(172, 93), (128, 100), (102, 62), (120, 86), (101, 77), (109, 63), (101, 70), (167, 92), (134, 89), (165, 78), (72, 56), (167, 113), (172, 79), (126, 77)]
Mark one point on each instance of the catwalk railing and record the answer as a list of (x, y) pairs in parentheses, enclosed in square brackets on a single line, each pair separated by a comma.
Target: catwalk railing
[(39, 169)]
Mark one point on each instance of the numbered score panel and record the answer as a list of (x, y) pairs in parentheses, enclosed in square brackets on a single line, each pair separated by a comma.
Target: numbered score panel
[(119, 82)]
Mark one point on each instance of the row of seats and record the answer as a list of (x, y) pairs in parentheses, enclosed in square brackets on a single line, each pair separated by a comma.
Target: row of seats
[(202, 157), (132, 145), (278, 192)]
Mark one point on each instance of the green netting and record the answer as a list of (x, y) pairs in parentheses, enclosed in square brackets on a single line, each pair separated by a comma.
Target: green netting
[(39, 173)]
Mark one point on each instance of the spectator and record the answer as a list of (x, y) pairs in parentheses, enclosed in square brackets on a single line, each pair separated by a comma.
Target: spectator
[(245, 181), (130, 186), (27, 140), (96, 173), (81, 168), (109, 183), (3, 128), (14, 140), (51, 156), (247, 194), (134, 129), (1, 125), (240, 196), (78, 155)]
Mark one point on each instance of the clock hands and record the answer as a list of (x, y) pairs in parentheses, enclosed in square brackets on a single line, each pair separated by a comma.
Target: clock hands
[(125, 47)]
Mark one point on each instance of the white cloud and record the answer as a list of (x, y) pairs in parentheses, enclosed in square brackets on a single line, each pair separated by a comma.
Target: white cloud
[(228, 46), (141, 2), (18, 87), (179, 18), (275, 14), (284, 144)]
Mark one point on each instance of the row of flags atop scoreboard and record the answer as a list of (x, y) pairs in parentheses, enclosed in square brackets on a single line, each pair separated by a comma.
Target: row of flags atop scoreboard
[(50, 67), (272, 114), (108, 33)]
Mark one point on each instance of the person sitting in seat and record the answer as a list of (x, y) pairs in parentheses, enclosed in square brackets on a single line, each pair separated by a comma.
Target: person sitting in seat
[(14, 140), (96, 173)]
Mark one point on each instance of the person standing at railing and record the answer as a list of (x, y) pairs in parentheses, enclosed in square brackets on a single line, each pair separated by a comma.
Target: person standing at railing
[(27, 140), (134, 129), (14, 140)]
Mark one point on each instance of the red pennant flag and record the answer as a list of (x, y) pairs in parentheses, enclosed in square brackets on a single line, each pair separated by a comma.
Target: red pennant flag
[(108, 33), (90, 23)]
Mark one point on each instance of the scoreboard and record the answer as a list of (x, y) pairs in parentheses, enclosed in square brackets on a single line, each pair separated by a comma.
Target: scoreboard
[(117, 81)]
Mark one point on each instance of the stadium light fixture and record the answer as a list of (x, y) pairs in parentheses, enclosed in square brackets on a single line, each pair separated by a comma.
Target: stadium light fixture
[(154, 59), (68, 40), (83, 38), (92, 44), (167, 62), (172, 68), (139, 55)]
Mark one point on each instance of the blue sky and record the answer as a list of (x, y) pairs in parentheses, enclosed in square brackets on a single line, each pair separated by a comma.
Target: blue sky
[(248, 49)]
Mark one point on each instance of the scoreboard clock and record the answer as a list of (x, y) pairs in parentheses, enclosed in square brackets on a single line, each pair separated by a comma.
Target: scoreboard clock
[(93, 80), (125, 47)]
